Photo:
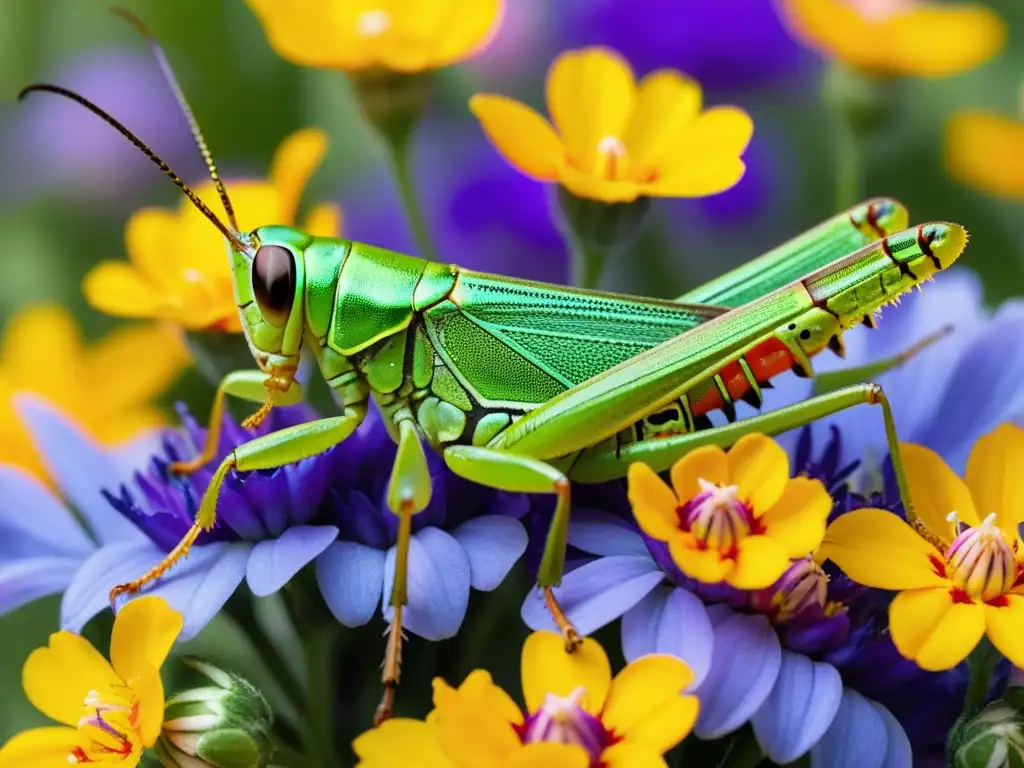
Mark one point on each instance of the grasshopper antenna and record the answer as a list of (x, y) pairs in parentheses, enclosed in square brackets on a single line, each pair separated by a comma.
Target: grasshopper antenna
[(179, 95), (120, 128)]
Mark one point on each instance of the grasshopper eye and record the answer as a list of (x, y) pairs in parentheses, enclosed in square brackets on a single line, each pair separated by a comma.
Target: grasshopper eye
[(273, 283)]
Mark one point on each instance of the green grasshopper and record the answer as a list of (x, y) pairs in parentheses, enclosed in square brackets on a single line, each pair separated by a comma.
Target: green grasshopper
[(524, 386)]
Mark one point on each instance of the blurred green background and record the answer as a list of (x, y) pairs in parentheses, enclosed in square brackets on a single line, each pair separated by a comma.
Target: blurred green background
[(68, 183)]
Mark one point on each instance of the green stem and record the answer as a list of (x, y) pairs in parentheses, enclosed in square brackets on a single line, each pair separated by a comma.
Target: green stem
[(981, 663), (587, 263), (319, 646), (286, 757), (398, 149)]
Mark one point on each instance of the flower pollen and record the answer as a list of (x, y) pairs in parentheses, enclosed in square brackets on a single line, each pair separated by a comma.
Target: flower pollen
[(561, 720), (109, 726), (981, 562), (717, 517), (611, 154), (373, 23)]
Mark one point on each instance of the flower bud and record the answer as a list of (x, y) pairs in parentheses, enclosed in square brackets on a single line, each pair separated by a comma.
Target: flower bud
[(223, 725), (981, 561), (993, 737)]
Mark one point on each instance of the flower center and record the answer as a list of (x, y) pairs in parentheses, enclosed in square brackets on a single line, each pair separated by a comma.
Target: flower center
[(802, 588), (611, 155), (880, 10), (717, 517), (981, 561), (561, 719), (109, 727), (373, 23)]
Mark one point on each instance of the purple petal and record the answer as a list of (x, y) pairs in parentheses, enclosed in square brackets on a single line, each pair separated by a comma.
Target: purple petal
[(898, 753), (26, 580), (199, 586), (273, 562), (79, 466), (602, 533), (744, 667), (493, 544), (857, 738), (89, 590), (799, 709), (596, 593), (670, 620), (438, 585), (34, 521), (351, 577)]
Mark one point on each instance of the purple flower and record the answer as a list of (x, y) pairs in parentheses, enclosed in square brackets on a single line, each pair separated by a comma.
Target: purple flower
[(468, 536)]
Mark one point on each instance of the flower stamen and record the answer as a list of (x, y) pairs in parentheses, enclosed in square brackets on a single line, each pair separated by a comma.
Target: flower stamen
[(610, 151), (717, 517), (562, 720), (981, 561)]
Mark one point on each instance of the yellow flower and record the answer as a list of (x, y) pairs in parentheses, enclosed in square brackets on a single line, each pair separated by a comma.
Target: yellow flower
[(959, 577), (107, 386), (178, 266), (985, 150), (735, 517), (392, 34), (110, 711), (576, 715), (898, 37), (616, 139)]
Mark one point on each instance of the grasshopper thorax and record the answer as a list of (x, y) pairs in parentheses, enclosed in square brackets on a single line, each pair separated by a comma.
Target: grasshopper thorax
[(268, 273)]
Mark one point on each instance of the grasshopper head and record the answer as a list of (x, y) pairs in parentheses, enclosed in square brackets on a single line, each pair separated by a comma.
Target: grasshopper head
[(269, 280)]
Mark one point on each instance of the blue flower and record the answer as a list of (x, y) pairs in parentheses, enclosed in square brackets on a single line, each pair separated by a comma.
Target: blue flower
[(946, 396), (750, 664), (468, 536)]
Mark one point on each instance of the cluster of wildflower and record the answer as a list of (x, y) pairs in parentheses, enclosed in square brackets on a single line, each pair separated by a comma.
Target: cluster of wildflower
[(840, 606)]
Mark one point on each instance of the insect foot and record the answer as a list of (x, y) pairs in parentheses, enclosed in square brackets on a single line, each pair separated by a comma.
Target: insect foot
[(569, 633)]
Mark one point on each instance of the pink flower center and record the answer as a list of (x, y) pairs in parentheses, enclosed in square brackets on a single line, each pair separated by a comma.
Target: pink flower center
[(717, 517), (109, 726), (561, 720), (981, 561)]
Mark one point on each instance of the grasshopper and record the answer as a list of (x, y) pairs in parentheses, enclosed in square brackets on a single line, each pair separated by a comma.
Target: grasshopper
[(524, 386)]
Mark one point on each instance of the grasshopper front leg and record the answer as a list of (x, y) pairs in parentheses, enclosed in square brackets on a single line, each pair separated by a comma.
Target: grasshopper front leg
[(267, 452)]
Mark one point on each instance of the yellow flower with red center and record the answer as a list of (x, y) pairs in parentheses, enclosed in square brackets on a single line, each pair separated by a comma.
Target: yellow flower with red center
[(576, 715), (985, 151), (898, 37), (736, 517), (392, 34), (614, 139), (959, 575), (178, 268), (111, 711), (107, 386)]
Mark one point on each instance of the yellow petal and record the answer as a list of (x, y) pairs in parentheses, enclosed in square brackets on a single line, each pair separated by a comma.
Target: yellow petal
[(597, 187), (654, 504), (549, 755), (150, 689), (938, 41), (834, 28), (325, 220), (158, 354), (144, 631), (479, 687), (707, 160), (464, 30), (151, 239), (705, 463), (760, 561), (663, 729), (936, 490), (590, 95), (401, 743), (473, 735), (995, 475), (641, 690), (760, 467), (294, 162), (39, 337), (627, 754), (666, 102), (524, 138), (58, 678), (930, 629), (986, 151), (797, 521), (116, 288), (40, 748), (705, 565), (1003, 625), (878, 549), (547, 668)]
